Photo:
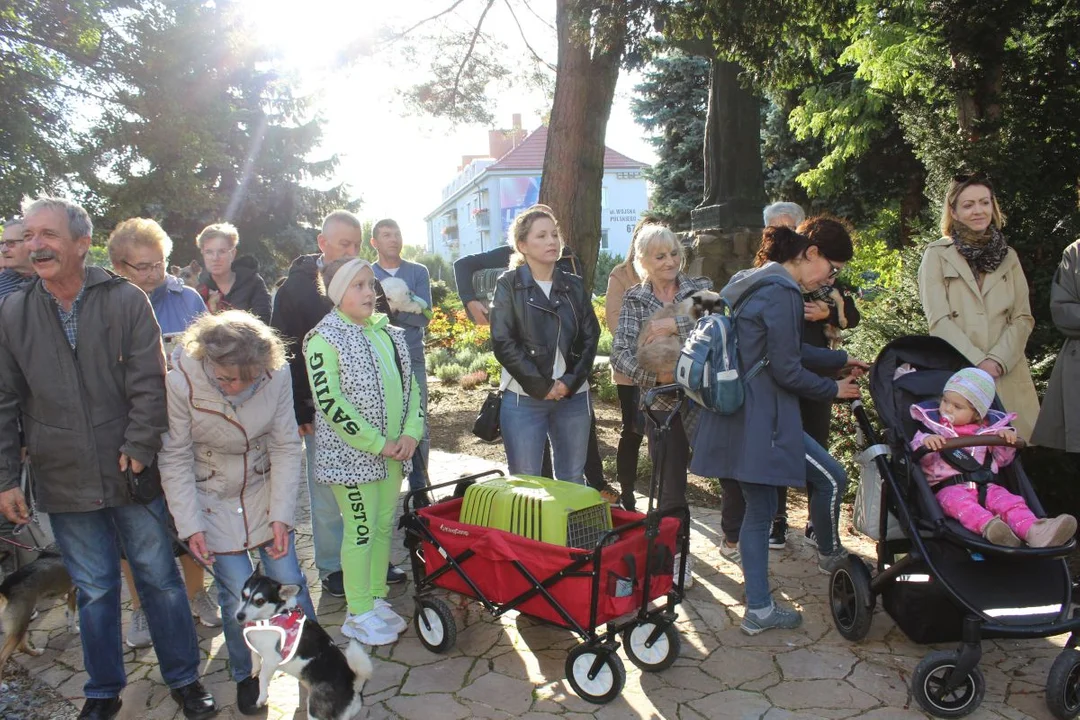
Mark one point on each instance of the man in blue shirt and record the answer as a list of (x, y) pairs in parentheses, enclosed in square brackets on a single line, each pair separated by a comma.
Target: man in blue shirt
[(386, 239), (17, 272)]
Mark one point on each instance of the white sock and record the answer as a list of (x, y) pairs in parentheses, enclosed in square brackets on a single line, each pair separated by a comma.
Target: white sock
[(762, 613)]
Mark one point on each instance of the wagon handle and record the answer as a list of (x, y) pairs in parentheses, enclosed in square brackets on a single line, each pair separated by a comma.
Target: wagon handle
[(653, 393)]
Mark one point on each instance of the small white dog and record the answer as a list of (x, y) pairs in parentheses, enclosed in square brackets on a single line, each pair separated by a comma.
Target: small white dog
[(399, 297)]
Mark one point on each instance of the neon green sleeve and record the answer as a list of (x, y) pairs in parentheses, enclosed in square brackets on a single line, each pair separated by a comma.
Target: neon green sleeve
[(323, 370), (414, 424)]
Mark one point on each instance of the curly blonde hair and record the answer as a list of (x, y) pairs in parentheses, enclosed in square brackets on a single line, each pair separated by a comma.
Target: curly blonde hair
[(235, 337)]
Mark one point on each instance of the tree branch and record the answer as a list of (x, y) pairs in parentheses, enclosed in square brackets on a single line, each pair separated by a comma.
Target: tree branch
[(436, 16), (468, 55), (537, 15), (525, 40)]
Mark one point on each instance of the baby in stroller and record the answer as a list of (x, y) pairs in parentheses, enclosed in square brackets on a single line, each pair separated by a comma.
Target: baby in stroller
[(1002, 518)]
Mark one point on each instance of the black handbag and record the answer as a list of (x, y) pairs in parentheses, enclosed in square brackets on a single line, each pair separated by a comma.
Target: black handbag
[(144, 487), (486, 427)]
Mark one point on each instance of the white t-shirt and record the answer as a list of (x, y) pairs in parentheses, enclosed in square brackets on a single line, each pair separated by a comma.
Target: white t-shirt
[(559, 368)]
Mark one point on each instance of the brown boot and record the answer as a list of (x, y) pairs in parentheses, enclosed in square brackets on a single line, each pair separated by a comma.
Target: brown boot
[(1051, 532), (997, 532)]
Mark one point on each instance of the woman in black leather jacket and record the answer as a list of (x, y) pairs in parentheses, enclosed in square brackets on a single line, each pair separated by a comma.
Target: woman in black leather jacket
[(544, 332)]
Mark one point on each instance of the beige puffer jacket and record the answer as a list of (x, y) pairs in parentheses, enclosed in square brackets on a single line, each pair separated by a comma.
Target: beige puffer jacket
[(229, 472)]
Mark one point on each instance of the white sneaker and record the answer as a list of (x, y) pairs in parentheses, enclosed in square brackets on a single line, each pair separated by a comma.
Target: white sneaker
[(205, 610), (138, 634), (386, 613), (368, 629)]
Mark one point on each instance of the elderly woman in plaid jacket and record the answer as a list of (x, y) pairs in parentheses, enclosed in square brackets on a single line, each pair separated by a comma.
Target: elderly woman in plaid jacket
[(658, 259)]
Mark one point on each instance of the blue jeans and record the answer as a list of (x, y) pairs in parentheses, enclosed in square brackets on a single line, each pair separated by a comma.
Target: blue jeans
[(418, 478), (90, 544), (232, 572), (826, 482), (754, 542), (526, 422), (326, 527)]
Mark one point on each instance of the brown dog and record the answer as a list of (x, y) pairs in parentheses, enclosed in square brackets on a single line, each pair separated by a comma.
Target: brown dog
[(660, 354), (189, 274), (19, 595)]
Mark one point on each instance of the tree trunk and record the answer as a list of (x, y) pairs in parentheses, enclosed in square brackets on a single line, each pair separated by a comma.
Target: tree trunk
[(573, 175)]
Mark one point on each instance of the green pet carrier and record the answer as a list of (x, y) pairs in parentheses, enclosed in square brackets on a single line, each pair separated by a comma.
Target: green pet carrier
[(549, 511)]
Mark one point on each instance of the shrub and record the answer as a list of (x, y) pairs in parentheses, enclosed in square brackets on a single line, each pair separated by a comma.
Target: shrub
[(465, 356), (494, 370), (599, 304), (436, 358), (481, 362), (450, 373), (603, 347), (605, 389), (472, 380)]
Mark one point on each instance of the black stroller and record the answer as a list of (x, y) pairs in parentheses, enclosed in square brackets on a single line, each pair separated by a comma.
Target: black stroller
[(937, 580)]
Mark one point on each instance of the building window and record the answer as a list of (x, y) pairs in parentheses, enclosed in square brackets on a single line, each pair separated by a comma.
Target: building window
[(603, 196), (603, 239)]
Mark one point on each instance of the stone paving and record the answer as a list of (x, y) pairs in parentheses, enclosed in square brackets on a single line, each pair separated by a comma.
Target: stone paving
[(513, 667)]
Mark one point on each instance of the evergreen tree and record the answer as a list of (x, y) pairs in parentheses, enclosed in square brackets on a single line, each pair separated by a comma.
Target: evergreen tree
[(670, 103)]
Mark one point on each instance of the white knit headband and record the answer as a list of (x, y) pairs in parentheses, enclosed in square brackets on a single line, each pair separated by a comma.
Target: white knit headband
[(343, 278)]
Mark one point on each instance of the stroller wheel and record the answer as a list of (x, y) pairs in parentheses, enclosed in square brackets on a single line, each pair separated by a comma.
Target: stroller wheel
[(1063, 685), (851, 600), (435, 625), (928, 686), (595, 674), (655, 656)]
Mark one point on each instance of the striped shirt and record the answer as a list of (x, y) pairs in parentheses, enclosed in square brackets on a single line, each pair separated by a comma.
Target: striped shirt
[(13, 281)]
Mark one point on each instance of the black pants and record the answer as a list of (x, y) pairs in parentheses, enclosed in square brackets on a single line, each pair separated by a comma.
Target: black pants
[(594, 467), (732, 509), (816, 421), (630, 437), (670, 456)]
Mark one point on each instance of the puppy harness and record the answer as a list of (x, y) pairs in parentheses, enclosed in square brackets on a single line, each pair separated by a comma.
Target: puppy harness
[(288, 625)]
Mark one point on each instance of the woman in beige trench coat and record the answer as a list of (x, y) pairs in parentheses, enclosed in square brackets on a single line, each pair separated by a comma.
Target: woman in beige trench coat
[(975, 295), (1059, 421)]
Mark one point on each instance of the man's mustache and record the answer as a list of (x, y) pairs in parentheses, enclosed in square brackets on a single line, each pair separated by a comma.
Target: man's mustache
[(36, 255)]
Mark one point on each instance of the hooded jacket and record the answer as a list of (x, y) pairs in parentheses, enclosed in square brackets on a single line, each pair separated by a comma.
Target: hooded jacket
[(80, 409), (762, 443), (247, 293)]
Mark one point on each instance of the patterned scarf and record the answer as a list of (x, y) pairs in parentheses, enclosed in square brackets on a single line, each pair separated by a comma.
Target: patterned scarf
[(984, 251)]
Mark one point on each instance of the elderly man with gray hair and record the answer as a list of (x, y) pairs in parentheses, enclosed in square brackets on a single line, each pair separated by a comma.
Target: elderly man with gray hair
[(784, 214), (81, 359)]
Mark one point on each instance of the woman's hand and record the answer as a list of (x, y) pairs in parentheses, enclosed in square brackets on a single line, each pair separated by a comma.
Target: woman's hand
[(406, 448), (661, 328), (558, 391), (992, 368), (479, 312), (197, 546), (933, 442), (855, 367), (847, 389), (815, 310), (280, 544), (390, 449)]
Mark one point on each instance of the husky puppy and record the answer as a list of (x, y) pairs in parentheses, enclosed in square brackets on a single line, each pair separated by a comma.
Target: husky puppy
[(284, 639), (661, 353), (19, 594)]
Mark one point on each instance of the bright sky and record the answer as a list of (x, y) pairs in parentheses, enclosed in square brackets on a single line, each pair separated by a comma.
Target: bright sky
[(397, 162)]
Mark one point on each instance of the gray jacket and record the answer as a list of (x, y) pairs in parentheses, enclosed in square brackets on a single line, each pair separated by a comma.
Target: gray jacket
[(762, 443), (80, 409), (1059, 419)]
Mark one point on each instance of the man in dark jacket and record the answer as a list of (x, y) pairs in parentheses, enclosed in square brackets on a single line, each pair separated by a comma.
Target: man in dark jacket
[(298, 307), (81, 360)]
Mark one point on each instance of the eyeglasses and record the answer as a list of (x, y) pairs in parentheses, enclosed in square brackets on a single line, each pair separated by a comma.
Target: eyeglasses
[(217, 253), (833, 269), (10, 244), (143, 268)]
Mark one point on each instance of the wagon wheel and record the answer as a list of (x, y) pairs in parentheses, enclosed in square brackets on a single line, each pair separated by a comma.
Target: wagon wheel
[(595, 674), (435, 625), (657, 655)]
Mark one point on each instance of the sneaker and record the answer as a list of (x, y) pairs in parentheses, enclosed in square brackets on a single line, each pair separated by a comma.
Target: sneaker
[(334, 584), (247, 694), (781, 617), (205, 610), (138, 633), (369, 629), (627, 500), (386, 613), (828, 563), (609, 494), (999, 533), (731, 552), (395, 575), (778, 536), (688, 577), (1051, 532), (809, 536)]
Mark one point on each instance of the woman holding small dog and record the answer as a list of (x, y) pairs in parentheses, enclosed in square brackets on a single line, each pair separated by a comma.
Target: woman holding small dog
[(230, 465), (367, 426), (544, 333), (658, 259)]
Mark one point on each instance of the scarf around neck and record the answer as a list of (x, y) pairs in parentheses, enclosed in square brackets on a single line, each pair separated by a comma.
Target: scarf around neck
[(984, 251)]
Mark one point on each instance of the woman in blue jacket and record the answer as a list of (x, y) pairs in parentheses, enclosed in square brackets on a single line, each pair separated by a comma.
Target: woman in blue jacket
[(763, 445)]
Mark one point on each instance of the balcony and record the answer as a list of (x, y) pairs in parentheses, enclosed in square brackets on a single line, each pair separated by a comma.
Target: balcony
[(482, 218), (450, 232)]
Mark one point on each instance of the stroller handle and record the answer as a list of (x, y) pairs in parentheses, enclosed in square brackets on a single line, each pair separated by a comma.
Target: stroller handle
[(650, 399), (959, 443)]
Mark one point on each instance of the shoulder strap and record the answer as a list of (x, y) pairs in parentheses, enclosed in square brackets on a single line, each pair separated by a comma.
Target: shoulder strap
[(760, 365)]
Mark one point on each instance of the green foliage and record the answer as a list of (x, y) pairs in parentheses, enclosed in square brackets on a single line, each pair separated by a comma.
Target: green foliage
[(481, 362), (603, 347), (465, 356), (436, 358), (473, 379), (605, 263), (494, 370), (440, 270), (450, 373), (670, 104), (605, 389)]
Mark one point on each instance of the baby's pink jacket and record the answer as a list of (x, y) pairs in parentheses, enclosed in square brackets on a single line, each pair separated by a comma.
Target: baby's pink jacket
[(934, 465)]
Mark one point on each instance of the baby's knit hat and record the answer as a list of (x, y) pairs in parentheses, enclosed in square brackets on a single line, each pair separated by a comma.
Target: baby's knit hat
[(974, 385)]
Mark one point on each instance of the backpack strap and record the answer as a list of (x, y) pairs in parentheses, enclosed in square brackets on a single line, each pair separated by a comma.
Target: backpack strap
[(761, 364)]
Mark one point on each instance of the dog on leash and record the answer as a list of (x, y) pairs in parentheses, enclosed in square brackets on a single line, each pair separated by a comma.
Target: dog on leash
[(284, 639), (660, 354), (20, 592)]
